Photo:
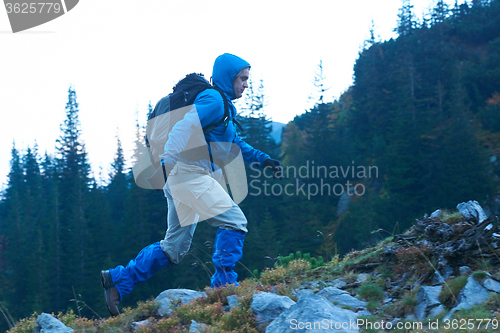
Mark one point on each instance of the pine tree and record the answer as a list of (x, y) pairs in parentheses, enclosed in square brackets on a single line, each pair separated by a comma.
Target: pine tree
[(52, 225), (118, 185), (73, 187), (406, 19), (439, 13), (34, 229), (256, 124), (319, 84), (11, 229), (372, 40)]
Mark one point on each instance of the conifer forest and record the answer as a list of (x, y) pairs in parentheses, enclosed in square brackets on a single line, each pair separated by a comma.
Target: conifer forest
[(418, 130)]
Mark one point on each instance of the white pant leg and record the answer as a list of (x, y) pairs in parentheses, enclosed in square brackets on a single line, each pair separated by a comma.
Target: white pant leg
[(193, 196), (177, 238)]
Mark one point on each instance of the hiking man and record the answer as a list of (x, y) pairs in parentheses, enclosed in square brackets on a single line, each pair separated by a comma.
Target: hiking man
[(193, 189)]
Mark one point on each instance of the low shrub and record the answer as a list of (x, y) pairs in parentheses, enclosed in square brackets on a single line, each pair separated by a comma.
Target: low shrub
[(414, 260), (370, 291)]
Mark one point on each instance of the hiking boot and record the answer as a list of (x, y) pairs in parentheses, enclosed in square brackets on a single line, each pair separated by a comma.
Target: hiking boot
[(111, 295)]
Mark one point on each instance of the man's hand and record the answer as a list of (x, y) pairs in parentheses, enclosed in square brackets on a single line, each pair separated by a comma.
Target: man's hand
[(275, 166)]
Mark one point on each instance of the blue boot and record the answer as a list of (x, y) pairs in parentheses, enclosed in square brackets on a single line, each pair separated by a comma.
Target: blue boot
[(149, 261), (228, 249)]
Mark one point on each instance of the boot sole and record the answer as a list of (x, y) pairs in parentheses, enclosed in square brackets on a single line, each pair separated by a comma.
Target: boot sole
[(115, 312)]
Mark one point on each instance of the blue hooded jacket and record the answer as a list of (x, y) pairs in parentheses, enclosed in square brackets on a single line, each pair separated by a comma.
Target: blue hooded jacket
[(209, 110)]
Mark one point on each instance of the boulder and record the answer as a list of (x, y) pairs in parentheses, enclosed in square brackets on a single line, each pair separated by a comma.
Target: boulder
[(232, 301), (491, 285), (49, 324), (472, 209), (427, 300), (196, 327), (436, 310), (168, 297), (436, 214), (362, 277), (342, 298), (314, 314), (465, 270), (141, 324), (304, 292), (268, 306), (472, 294), (338, 283)]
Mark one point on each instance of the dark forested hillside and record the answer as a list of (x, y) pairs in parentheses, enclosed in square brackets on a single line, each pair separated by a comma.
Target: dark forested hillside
[(424, 109), (419, 129)]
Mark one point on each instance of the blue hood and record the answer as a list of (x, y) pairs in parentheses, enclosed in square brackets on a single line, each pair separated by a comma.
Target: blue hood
[(226, 67)]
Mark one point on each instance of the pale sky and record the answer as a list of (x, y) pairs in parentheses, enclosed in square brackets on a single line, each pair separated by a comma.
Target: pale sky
[(121, 54)]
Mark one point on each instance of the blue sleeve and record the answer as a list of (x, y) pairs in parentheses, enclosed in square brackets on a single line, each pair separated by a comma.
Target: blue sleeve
[(249, 153)]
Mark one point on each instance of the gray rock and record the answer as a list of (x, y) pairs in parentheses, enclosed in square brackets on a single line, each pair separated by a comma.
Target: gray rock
[(140, 324), (465, 270), (427, 299), (363, 313), (332, 291), (232, 301), (342, 298), (388, 300), (304, 292), (436, 213), (395, 322), (196, 327), (268, 306), (362, 277), (472, 209), (167, 298), (436, 310), (49, 324), (472, 294), (314, 314), (339, 283), (492, 285), (411, 317)]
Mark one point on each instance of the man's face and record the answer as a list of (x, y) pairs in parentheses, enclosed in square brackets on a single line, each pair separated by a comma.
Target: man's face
[(241, 82)]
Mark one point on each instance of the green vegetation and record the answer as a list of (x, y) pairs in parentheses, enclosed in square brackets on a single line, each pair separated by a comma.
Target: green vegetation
[(403, 307), (479, 276), (451, 289), (369, 292)]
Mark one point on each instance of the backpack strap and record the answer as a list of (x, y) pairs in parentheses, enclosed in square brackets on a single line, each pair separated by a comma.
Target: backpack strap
[(237, 123), (225, 118)]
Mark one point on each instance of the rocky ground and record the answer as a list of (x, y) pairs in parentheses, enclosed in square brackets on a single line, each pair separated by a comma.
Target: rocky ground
[(439, 276)]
